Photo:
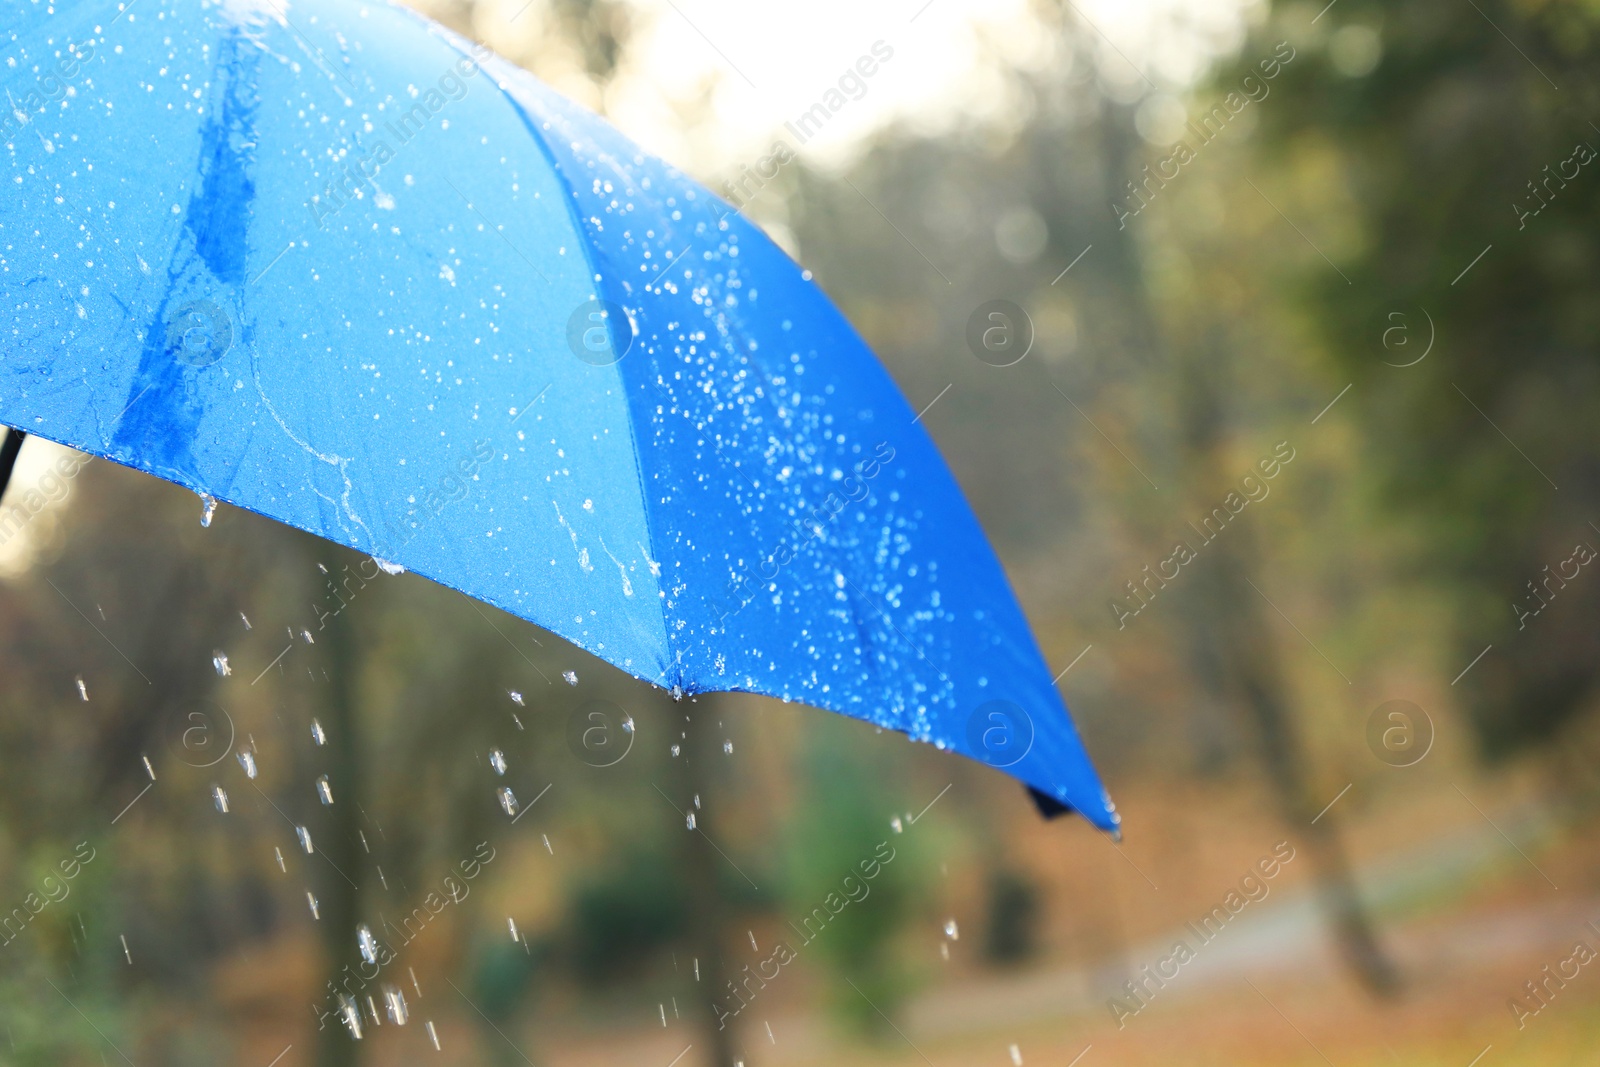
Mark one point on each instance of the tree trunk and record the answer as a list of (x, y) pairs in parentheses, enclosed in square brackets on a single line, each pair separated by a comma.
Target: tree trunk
[(707, 911)]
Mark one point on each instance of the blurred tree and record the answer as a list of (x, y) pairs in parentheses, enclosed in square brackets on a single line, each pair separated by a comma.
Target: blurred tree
[(1455, 140)]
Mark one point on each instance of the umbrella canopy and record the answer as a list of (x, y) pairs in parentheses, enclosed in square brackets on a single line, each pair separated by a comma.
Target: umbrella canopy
[(330, 263)]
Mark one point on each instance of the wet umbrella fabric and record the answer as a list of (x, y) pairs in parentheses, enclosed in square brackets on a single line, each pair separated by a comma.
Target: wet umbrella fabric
[(330, 263)]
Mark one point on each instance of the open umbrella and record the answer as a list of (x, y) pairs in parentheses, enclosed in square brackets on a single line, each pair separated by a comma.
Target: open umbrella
[(330, 263)]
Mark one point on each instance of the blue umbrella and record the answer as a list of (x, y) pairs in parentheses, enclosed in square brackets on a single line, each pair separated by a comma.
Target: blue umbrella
[(333, 264)]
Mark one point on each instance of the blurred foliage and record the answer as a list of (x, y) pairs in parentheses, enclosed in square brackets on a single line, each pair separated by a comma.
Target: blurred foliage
[(1181, 346)]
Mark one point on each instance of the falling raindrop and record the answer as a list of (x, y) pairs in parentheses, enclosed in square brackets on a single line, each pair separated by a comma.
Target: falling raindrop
[(951, 931), (220, 796), (433, 1035), (247, 760), (219, 660), (895, 822), (727, 746), (350, 1013), (308, 638), (944, 950), (517, 721), (508, 800), (663, 1010), (1016, 1056), (125, 951), (83, 690), (317, 734), (697, 968), (570, 676), (497, 760), (547, 847), (394, 1003), (311, 900), (246, 619), (697, 802), (324, 790), (367, 943), (627, 724), (675, 751), (752, 935), (690, 820), (516, 697), (208, 508), (305, 838), (151, 771), (512, 925), (279, 853)]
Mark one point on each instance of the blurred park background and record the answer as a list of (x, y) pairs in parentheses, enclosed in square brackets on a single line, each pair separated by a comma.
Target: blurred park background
[(1352, 245)]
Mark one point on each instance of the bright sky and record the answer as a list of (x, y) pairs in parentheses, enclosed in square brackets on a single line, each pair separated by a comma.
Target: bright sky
[(763, 63)]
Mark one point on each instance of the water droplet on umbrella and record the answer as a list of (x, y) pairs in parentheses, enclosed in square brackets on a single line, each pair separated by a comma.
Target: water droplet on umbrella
[(220, 797), (690, 820), (387, 567), (83, 690), (317, 734), (727, 746), (394, 1003), (312, 901), (570, 676), (951, 931), (895, 822), (305, 838), (433, 1035), (208, 508), (367, 943), (512, 925), (324, 790), (247, 760), (219, 660), (508, 800), (497, 760), (516, 697)]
